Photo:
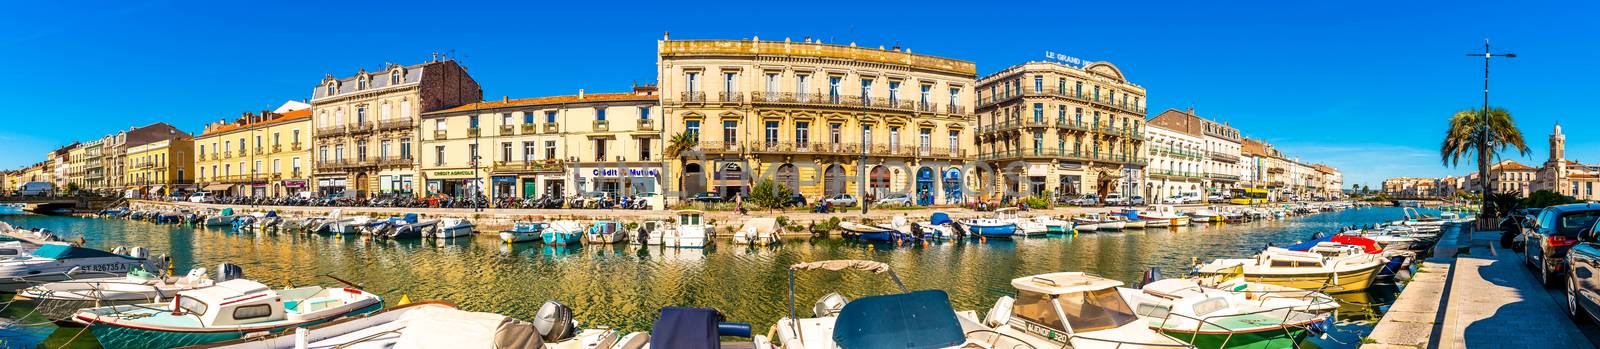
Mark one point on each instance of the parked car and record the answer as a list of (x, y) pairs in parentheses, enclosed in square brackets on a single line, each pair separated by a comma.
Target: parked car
[(894, 199), (706, 197), (1215, 198), (1511, 228), (841, 200), (1583, 280), (1553, 233), (1089, 200), (1066, 200), (35, 189), (1115, 199), (201, 197), (797, 200), (1136, 200)]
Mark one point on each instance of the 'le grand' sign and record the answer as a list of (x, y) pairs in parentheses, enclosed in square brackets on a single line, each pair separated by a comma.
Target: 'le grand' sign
[(1064, 59)]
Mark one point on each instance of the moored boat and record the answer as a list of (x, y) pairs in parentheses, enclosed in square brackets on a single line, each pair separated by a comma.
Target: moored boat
[(758, 231), (59, 300), (1211, 318), (690, 231), (1302, 270), (605, 232), (562, 233), (523, 232), (58, 261), (229, 310), (453, 228)]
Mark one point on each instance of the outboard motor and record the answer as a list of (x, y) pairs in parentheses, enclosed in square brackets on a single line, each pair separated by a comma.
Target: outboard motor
[(1150, 275), (829, 305), (139, 252), (411, 218), (120, 250), (1316, 235), (554, 322), (227, 271)]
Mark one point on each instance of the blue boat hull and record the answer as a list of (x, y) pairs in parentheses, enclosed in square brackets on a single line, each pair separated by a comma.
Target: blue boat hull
[(993, 231), (118, 337), (1394, 265), (875, 236), (560, 239)]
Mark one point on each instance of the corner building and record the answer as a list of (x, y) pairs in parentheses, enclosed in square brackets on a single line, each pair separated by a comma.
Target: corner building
[(815, 117), (1052, 127), (366, 126)]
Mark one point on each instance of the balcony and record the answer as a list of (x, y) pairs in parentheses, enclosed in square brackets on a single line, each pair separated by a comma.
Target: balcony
[(818, 99), (730, 97), (472, 132), (551, 165), (1274, 170), (360, 127), (528, 129), (955, 109), (276, 148), (441, 135), (200, 157), (507, 130), (259, 151), (1170, 174), (713, 147), (294, 146), (1225, 157), (601, 126), (394, 161), (551, 127), (228, 154), (330, 131), (927, 107), (394, 124), (647, 124), (692, 97)]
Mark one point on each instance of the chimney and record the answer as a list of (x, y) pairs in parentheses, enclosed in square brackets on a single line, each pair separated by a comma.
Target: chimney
[(580, 94), (505, 99), (665, 35), (808, 40), (1191, 110)]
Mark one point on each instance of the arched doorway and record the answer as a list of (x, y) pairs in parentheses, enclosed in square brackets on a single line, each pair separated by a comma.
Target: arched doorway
[(789, 177), (694, 180), (879, 182), (833, 181), (952, 185), (924, 186), (730, 179), (361, 185)]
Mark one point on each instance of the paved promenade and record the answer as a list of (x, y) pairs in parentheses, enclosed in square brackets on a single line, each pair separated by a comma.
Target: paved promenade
[(1488, 300)]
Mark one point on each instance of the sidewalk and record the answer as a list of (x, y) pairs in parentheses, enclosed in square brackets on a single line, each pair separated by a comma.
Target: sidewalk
[(1495, 302)]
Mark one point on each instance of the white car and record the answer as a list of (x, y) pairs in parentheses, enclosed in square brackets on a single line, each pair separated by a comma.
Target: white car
[(201, 197), (1115, 199)]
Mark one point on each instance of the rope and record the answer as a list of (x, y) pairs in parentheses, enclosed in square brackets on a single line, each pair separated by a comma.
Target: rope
[(74, 337)]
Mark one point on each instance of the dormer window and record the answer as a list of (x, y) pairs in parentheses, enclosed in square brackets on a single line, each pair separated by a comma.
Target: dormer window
[(361, 83), (329, 89), (394, 78)]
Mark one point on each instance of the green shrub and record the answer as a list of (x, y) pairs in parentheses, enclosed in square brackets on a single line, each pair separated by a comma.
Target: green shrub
[(769, 194)]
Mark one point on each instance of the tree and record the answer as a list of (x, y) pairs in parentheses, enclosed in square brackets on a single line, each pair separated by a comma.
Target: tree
[(679, 148), (769, 194), (1365, 189), (1355, 188), (1546, 198), (1496, 204), (1468, 137)]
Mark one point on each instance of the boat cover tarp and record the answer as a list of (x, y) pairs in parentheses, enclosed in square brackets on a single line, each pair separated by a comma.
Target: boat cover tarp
[(686, 328), (54, 251), (441, 327), (1367, 245), (842, 264), (940, 218), (920, 319), (227, 211)]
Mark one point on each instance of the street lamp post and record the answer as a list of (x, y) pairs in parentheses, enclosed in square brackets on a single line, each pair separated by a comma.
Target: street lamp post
[(1483, 132)]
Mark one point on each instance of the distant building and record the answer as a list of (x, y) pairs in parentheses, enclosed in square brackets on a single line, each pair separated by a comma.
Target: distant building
[(1510, 176), (1567, 177), (265, 154)]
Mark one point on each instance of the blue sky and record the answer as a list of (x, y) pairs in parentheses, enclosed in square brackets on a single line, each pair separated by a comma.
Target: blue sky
[(1366, 87)]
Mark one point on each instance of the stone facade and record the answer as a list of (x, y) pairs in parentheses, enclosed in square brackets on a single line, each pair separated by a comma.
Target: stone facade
[(366, 125), (1052, 127), (814, 117), (266, 154), (1177, 164)]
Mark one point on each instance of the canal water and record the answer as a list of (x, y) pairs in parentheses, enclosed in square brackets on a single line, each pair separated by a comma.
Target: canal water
[(624, 286)]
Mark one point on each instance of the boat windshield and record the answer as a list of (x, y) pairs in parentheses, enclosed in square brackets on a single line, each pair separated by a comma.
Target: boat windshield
[(1095, 310), (192, 306)]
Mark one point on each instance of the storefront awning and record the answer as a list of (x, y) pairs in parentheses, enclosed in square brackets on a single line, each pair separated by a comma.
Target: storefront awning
[(155, 188), (218, 187)]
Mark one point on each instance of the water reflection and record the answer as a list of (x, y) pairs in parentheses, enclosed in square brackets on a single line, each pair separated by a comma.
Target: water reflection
[(624, 285)]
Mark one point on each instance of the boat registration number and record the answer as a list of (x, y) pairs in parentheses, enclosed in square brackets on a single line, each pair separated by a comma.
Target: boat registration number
[(119, 267)]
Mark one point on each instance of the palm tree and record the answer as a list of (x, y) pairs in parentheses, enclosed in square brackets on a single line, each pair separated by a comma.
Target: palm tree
[(1467, 136), (679, 147)]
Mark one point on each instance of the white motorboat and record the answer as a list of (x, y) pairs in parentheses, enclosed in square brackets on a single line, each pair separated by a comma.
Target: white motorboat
[(225, 311), (758, 231), (523, 232), (1313, 270), (1213, 318), (605, 232), (1065, 309), (1205, 215), (223, 218), (421, 324), (1166, 213), (60, 261), (453, 228), (1030, 227), (350, 225), (59, 300), (690, 231)]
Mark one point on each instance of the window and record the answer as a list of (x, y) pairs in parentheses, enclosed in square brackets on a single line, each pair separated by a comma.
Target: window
[(693, 81), (1078, 89), (730, 82), (550, 117), (600, 114), (527, 118), (438, 125), (802, 133), (866, 135), (772, 83), (528, 150), (383, 111), (1079, 112), (955, 141), (505, 151), (322, 153), (730, 132), (295, 137), (405, 109), (193, 306), (505, 119), (834, 135), (644, 113), (383, 149), (1038, 142), (894, 137), (644, 149), (833, 89), (361, 151), (955, 93), (866, 89), (1038, 83), (202, 149), (438, 155), (338, 152), (772, 133), (294, 165), (925, 138), (1038, 112), (600, 149), (1061, 114), (328, 90), (394, 78), (275, 167), (252, 311), (1097, 93), (923, 99), (692, 128), (894, 93), (549, 150), (361, 114), (405, 148), (1061, 84), (472, 154), (472, 121)]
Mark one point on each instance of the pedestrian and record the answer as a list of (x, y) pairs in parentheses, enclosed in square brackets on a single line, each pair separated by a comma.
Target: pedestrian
[(738, 203)]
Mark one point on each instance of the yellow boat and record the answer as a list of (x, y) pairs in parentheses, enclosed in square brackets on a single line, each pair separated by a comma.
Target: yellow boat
[(1329, 269)]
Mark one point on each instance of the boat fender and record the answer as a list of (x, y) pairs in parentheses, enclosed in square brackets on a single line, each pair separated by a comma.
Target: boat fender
[(554, 321), (734, 329), (139, 252), (120, 250), (1000, 314), (228, 271)]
